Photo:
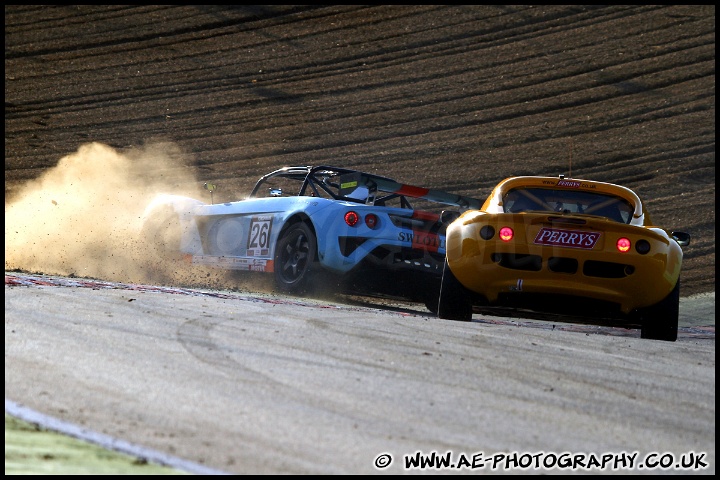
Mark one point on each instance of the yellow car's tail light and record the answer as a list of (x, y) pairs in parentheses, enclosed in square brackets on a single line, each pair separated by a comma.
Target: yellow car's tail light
[(623, 244), (506, 234), (642, 246), (487, 232)]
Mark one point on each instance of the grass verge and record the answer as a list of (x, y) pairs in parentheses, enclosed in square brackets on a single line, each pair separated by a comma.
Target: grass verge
[(33, 450)]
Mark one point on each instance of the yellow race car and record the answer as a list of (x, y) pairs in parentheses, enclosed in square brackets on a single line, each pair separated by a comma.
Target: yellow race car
[(574, 248)]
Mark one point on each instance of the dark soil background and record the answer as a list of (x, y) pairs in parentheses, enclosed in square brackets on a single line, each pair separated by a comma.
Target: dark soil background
[(448, 97)]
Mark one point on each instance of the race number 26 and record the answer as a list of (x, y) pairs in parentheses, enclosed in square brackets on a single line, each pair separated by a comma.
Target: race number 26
[(259, 236)]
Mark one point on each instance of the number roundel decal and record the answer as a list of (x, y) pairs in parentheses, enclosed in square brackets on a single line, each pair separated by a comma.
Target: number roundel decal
[(259, 236), (227, 235)]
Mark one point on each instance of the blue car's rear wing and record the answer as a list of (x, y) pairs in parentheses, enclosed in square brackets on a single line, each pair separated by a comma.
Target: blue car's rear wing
[(371, 184)]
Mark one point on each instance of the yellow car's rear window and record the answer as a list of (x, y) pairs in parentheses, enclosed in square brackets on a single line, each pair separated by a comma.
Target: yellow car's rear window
[(566, 201)]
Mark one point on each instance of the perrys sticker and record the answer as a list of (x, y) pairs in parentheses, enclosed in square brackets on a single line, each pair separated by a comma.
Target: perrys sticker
[(568, 183), (567, 238)]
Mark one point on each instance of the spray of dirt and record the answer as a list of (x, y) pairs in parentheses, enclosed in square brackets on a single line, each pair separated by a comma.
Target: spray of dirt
[(82, 218)]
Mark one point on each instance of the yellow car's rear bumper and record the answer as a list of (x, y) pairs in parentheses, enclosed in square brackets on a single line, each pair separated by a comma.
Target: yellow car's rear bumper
[(492, 267)]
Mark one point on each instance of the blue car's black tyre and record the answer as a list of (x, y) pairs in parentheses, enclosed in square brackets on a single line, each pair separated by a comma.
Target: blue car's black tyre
[(455, 302), (660, 321), (295, 258)]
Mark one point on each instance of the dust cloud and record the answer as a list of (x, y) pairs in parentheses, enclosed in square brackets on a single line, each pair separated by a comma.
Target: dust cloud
[(82, 217)]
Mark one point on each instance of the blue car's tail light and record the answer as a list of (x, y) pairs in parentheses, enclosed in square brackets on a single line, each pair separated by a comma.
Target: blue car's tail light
[(352, 218)]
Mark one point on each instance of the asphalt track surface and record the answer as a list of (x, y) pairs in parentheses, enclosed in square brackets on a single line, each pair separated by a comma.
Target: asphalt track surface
[(264, 384)]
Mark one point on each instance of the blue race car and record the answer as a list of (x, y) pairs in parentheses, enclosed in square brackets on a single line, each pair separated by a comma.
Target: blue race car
[(314, 224)]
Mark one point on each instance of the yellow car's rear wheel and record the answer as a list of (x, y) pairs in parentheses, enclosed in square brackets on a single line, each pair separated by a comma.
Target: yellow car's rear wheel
[(455, 301), (660, 321)]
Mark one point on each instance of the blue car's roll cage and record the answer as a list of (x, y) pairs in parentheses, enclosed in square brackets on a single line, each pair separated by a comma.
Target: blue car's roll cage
[(339, 183)]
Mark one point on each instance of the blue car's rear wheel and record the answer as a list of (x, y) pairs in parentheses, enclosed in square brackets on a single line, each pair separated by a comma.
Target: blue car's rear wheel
[(294, 258)]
